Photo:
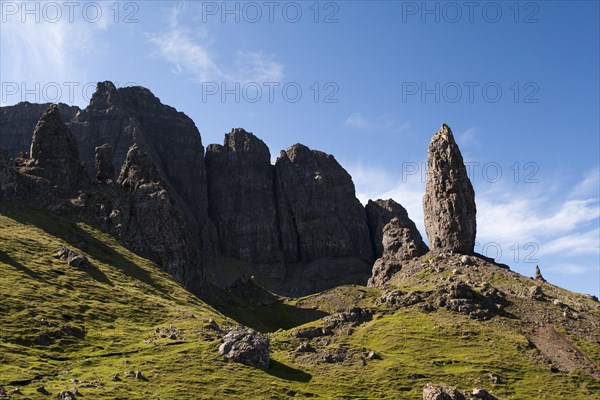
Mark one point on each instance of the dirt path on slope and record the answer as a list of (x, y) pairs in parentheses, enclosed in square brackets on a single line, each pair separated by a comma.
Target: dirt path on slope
[(563, 353)]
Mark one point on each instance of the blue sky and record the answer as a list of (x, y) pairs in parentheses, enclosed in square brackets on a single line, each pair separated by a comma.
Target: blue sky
[(517, 82)]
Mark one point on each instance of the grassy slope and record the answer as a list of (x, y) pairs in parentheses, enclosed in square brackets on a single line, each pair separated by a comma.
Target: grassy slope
[(120, 302)]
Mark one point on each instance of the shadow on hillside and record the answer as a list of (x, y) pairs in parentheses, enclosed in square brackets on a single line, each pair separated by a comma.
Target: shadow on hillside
[(270, 318), (83, 241), (286, 372), (5, 258)]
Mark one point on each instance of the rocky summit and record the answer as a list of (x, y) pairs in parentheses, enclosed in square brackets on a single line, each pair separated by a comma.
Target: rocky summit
[(449, 200), (157, 270)]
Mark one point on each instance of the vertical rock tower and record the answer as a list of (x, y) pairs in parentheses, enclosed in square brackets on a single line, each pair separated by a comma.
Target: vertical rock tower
[(449, 201)]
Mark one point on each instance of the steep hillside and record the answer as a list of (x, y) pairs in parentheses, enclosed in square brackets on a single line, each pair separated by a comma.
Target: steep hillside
[(77, 326)]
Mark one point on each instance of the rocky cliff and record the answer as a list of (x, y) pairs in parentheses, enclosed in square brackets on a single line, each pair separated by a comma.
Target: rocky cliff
[(241, 198), (297, 224), (319, 214)]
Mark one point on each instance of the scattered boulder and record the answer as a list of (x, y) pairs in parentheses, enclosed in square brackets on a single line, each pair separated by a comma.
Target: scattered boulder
[(310, 333), (305, 347), (73, 258), (246, 346), (66, 395), (481, 394), (41, 389), (43, 340), (449, 200), (353, 317), (432, 392), (536, 293), (460, 297)]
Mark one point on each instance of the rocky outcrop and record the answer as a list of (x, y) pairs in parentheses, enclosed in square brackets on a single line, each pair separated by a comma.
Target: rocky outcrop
[(124, 116), (19, 121), (449, 201), (538, 274), (319, 214), (246, 346), (53, 152), (380, 213), (241, 198), (105, 171), (400, 243)]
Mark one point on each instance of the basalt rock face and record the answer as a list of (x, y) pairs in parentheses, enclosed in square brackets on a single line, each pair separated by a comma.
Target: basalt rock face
[(319, 214), (8, 176), (241, 198), (53, 152), (124, 116), (380, 213), (146, 219), (449, 201), (105, 171), (19, 121)]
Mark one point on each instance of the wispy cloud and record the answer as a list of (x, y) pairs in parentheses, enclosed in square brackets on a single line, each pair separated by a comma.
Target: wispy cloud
[(560, 224), (384, 123), (190, 52)]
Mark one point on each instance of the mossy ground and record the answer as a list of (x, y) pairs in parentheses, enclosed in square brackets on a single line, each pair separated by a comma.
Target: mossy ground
[(119, 302)]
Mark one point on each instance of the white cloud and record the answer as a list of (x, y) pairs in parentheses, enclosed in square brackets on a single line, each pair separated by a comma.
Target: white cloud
[(190, 53), (50, 53), (383, 124), (556, 225), (568, 268), (574, 244)]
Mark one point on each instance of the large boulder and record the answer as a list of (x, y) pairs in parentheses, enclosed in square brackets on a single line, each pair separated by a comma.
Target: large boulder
[(449, 200), (380, 213), (433, 392), (246, 346), (53, 153), (241, 197), (319, 214)]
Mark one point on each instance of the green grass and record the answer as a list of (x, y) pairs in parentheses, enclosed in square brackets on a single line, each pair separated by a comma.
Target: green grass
[(119, 302)]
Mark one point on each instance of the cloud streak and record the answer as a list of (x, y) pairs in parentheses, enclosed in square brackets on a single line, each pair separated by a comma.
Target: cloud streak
[(190, 53)]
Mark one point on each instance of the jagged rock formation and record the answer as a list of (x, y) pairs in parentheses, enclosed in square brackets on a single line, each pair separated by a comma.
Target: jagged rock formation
[(19, 121), (449, 200), (319, 214), (297, 224), (105, 171), (380, 213), (124, 116), (241, 198), (54, 154), (399, 244), (538, 274), (147, 220)]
